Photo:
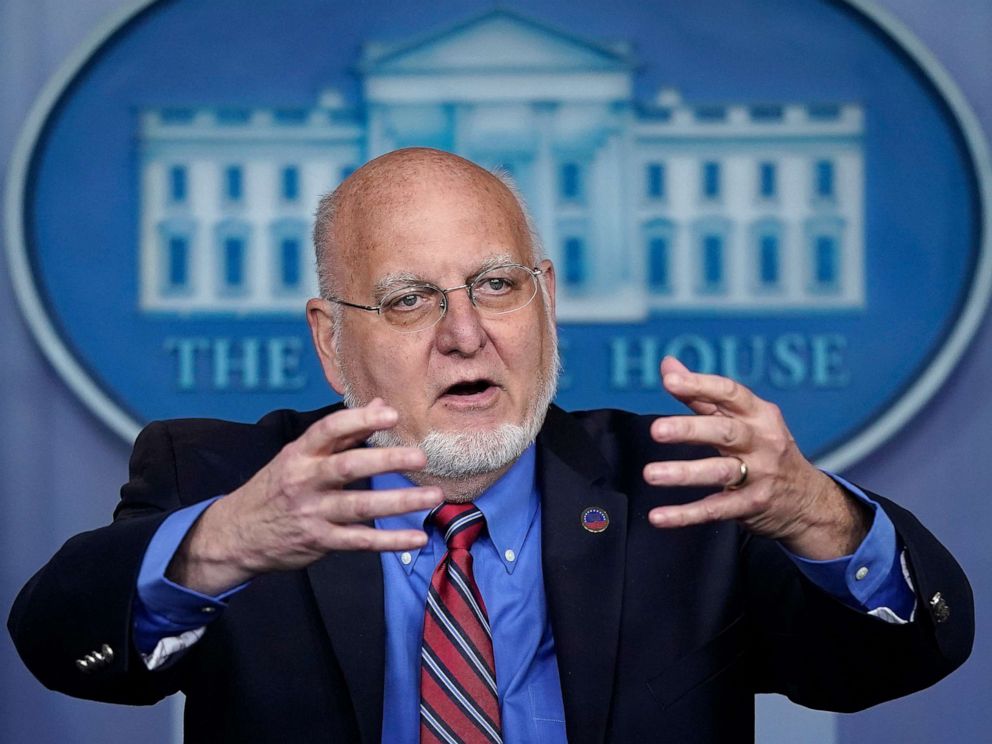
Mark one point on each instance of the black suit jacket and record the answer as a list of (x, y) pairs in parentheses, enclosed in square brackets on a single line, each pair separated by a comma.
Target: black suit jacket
[(660, 635)]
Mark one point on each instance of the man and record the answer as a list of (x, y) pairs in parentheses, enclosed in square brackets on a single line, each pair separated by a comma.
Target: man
[(630, 579)]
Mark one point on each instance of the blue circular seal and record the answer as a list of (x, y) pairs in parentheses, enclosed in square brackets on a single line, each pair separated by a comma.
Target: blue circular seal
[(791, 194)]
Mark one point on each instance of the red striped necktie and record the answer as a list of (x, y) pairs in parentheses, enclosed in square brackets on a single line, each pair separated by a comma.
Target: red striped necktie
[(458, 698)]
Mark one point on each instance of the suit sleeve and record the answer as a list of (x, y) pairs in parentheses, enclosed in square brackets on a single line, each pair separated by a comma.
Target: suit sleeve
[(72, 621), (826, 655)]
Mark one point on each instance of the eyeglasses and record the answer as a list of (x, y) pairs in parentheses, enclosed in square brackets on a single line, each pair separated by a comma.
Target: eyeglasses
[(421, 305)]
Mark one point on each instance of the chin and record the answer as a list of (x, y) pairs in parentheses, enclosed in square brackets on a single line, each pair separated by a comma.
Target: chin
[(465, 454)]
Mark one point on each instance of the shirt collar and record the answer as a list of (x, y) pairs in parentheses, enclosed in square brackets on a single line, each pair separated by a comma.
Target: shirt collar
[(509, 506)]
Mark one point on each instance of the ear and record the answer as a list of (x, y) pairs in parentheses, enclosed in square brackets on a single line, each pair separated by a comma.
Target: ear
[(319, 318), (549, 282)]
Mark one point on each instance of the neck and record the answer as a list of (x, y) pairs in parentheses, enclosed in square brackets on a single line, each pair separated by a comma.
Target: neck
[(460, 490)]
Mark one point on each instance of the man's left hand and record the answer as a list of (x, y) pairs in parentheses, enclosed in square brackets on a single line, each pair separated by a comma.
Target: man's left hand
[(767, 484)]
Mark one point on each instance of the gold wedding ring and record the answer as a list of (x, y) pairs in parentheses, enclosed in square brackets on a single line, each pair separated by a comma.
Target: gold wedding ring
[(742, 478)]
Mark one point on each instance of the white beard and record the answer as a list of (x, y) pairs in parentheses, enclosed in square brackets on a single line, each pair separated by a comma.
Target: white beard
[(454, 455)]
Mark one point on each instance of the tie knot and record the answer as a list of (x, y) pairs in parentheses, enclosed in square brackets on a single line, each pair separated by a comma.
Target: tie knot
[(459, 523)]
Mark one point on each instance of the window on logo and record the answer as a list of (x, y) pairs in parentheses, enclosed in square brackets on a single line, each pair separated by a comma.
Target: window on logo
[(658, 237), (570, 181), (768, 261), (711, 180), (825, 263), (655, 180), (177, 263), (233, 116), (290, 183), (711, 113), (824, 112), (233, 183), (658, 272), (767, 113), (767, 180), (712, 263), (289, 263), (234, 263), (575, 262), (824, 179), (177, 184)]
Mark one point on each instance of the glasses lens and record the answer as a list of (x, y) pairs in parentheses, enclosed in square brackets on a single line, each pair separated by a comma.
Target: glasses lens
[(504, 289), (412, 308)]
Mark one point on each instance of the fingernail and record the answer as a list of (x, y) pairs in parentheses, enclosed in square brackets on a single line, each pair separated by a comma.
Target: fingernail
[(673, 379)]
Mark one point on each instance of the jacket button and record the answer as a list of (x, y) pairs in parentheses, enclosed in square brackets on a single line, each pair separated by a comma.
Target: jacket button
[(939, 607)]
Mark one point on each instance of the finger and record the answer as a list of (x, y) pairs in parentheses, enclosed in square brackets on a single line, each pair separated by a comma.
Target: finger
[(354, 464), (670, 366), (347, 428), (363, 506), (704, 393), (362, 537), (714, 508), (712, 471), (722, 432)]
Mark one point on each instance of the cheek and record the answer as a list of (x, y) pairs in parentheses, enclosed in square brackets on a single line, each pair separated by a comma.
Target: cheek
[(524, 352), (368, 365), (399, 371)]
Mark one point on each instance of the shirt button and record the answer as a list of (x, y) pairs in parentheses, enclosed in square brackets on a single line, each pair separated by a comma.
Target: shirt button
[(208, 610), (861, 573), (406, 558), (510, 556)]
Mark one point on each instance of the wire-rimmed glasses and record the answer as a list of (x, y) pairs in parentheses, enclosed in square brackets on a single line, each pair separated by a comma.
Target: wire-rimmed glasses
[(420, 305)]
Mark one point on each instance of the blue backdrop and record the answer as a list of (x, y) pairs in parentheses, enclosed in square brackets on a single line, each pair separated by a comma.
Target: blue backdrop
[(62, 468)]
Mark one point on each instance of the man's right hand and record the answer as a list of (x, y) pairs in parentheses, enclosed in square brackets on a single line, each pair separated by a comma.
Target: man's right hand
[(296, 509)]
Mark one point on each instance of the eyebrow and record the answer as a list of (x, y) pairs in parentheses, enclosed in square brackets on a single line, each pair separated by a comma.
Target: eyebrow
[(397, 279), (500, 259), (394, 280)]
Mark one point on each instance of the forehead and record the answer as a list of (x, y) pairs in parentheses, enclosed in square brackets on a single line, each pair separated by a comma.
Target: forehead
[(438, 231)]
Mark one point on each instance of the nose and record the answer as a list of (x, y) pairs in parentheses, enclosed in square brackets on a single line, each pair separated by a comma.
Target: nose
[(460, 331)]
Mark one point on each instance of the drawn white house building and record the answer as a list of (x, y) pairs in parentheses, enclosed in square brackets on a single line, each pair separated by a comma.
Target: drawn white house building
[(644, 206)]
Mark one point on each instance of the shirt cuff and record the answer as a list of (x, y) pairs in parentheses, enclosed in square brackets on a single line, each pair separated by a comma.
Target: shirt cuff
[(163, 607), (872, 577)]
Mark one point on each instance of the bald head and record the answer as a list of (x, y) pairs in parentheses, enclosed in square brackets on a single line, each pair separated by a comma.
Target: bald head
[(348, 218)]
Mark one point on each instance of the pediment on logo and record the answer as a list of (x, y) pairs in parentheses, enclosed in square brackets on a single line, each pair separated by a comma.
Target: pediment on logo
[(495, 41)]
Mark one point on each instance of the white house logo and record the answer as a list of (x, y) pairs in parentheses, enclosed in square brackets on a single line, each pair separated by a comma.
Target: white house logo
[(810, 219)]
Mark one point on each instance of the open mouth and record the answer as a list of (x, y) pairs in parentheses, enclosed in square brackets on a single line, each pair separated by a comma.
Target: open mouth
[(468, 387)]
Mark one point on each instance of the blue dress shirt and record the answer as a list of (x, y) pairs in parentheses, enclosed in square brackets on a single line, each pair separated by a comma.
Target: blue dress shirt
[(507, 566), (506, 560)]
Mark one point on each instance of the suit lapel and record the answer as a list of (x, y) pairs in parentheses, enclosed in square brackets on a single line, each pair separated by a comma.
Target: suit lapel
[(583, 572), (348, 587)]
